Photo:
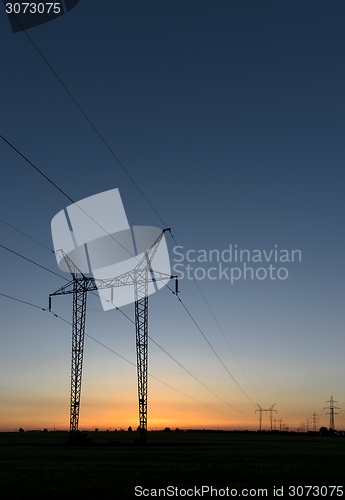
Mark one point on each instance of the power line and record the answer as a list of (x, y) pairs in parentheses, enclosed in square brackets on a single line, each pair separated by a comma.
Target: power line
[(128, 318), (184, 368), (65, 194), (92, 125), (117, 354), (218, 325), (36, 168), (70, 199), (159, 380), (222, 332), (39, 265), (46, 269), (24, 234), (136, 185), (22, 301), (212, 348), (33, 262), (129, 176), (196, 378)]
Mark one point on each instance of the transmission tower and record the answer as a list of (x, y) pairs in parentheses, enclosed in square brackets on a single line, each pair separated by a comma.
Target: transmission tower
[(79, 286), (141, 332), (331, 413), (314, 421), (270, 410), (280, 423)]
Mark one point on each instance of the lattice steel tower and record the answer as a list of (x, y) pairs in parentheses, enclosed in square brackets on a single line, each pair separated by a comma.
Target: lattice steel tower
[(331, 413), (139, 277), (79, 286), (314, 420), (270, 410)]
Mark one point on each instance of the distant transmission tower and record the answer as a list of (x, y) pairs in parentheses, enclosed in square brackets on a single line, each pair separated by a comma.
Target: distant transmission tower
[(280, 424), (260, 410), (314, 421), (79, 286), (331, 413)]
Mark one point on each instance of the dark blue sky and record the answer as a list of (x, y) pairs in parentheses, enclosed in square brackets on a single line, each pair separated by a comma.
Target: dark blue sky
[(229, 116)]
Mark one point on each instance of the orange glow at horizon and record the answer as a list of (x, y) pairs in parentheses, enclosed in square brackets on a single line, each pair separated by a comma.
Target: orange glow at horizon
[(103, 417), (53, 413), (42, 410)]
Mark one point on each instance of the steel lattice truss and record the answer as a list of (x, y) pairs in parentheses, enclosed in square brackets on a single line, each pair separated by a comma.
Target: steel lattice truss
[(141, 328), (78, 334), (79, 286), (270, 410)]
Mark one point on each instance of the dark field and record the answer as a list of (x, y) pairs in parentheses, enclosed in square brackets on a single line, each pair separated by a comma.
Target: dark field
[(42, 465)]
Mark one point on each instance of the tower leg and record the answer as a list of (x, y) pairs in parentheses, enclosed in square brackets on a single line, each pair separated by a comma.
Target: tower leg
[(141, 327), (78, 334)]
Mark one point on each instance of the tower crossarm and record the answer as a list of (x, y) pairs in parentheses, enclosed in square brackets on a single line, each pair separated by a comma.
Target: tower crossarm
[(130, 278), (88, 283), (72, 267), (92, 284), (266, 409), (136, 276), (151, 252)]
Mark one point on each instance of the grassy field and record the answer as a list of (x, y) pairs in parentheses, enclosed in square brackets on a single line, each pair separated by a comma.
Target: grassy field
[(43, 465)]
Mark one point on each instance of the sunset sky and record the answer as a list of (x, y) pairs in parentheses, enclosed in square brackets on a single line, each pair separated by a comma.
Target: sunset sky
[(229, 118)]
